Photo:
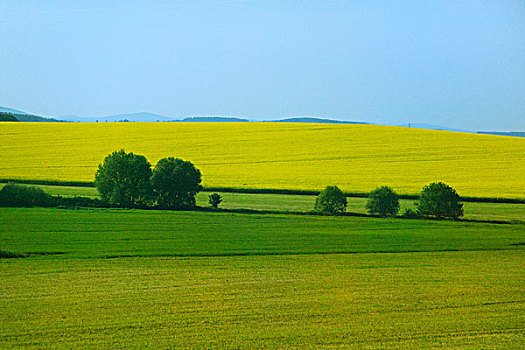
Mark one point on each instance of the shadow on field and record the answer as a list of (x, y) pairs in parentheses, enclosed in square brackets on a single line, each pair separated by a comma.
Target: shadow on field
[(13, 255), (347, 214)]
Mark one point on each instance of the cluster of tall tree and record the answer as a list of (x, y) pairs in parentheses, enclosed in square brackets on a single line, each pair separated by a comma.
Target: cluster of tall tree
[(128, 180)]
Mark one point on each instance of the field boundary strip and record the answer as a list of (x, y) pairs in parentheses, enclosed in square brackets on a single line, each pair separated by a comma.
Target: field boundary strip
[(266, 191)]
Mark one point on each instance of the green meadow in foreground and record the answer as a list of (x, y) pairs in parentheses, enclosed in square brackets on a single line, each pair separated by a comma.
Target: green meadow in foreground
[(160, 279), (406, 300)]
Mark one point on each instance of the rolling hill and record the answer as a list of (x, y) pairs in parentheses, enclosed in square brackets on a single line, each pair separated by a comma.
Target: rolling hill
[(11, 110), (292, 156)]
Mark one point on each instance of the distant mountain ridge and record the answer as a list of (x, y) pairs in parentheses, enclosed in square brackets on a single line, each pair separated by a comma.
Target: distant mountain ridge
[(11, 110), (35, 118), (129, 117), (213, 119), (152, 117), (502, 133), (315, 120)]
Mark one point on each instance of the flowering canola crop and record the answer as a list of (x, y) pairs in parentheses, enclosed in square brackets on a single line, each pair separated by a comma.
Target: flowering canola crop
[(292, 156)]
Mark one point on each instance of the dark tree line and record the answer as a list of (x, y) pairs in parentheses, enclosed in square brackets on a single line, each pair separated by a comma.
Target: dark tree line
[(7, 117)]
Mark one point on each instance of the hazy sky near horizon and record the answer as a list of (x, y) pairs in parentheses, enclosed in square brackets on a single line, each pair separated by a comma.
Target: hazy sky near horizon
[(459, 64)]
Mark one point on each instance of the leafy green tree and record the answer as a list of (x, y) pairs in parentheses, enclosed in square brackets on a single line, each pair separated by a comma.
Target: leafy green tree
[(176, 183), (383, 201), (439, 200), (331, 201), (123, 179), (214, 199)]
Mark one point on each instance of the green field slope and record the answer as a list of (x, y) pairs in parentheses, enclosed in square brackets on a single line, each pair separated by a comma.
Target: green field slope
[(119, 232), (293, 156), (215, 280)]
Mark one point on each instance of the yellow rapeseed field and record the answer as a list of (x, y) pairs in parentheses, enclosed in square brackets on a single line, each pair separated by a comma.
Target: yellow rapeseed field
[(357, 158)]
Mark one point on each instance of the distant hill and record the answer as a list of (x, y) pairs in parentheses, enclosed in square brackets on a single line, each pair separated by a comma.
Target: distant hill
[(315, 120), (11, 110), (130, 117), (431, 127), (7, 117), (34, 118), (69, 118), (25, 117), (151, 117), (214, 119), (501, 133)]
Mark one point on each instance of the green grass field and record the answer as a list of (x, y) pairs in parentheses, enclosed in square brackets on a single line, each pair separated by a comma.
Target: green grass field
[(302, 203), (119, 232), (161, 279)]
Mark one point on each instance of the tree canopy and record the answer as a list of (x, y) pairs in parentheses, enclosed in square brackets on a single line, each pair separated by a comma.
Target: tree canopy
[(123, 179), (331, 201), (176, 183), (439, 200), (383, 201)]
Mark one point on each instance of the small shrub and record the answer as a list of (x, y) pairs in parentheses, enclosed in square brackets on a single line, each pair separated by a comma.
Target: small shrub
[(439, 200), (79, 202), (409, 214), (214, 199), (13, 195), (383, 201), (331, 201)]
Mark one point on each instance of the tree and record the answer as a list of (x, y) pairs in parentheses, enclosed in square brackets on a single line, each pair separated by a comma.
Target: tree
[(176, 183), (214, 199), (331, 201), (383, 201), (439, 200), (123, 179)]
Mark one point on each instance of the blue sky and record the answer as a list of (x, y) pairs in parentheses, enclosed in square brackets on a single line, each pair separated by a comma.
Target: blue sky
[(459, 64)]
